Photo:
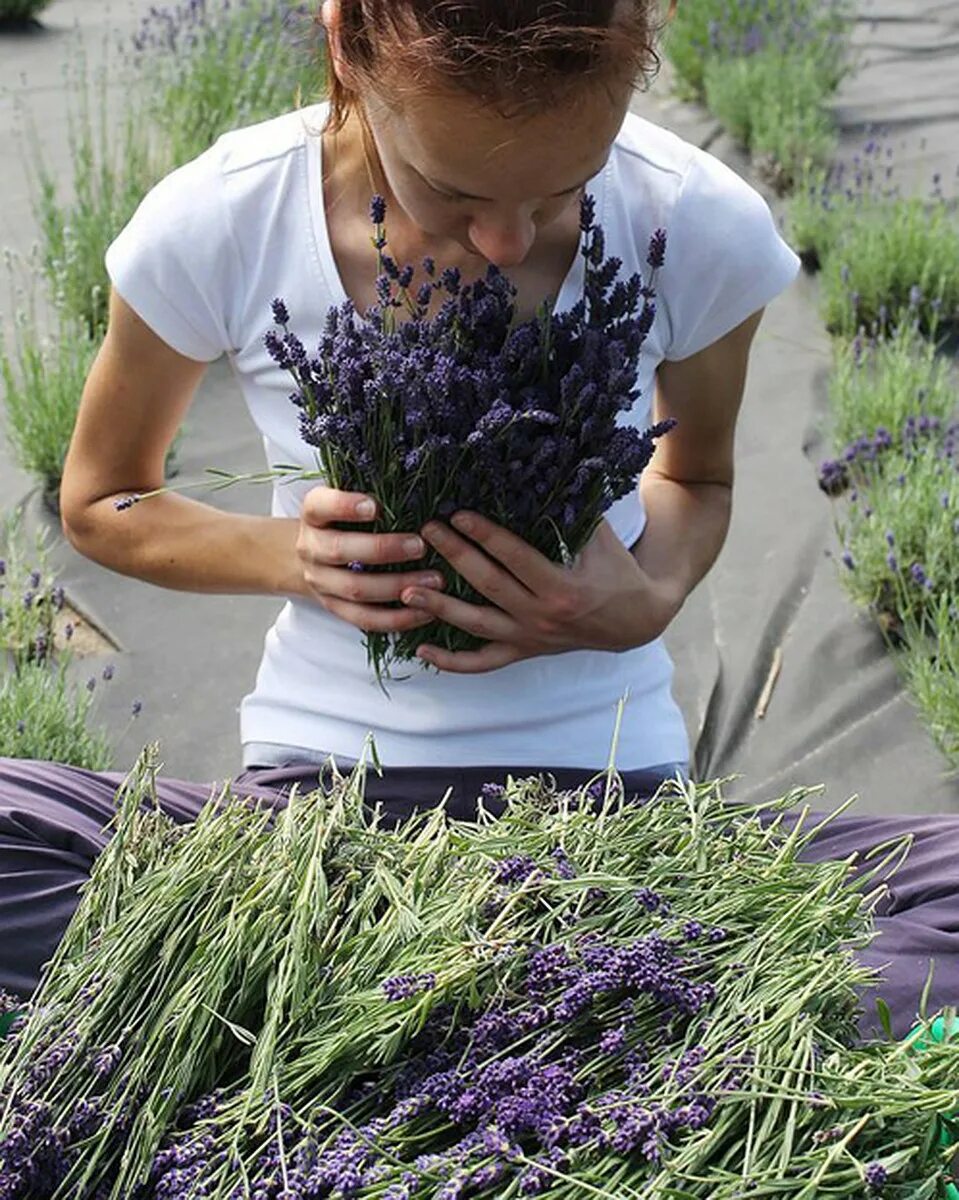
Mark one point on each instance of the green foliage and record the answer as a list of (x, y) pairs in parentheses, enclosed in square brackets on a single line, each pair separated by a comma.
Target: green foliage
[(29, 597), (898, 262), (901, 562), (930, 667), (705, 30), (880, 383), (901, 515), (825, 203), (214, 66), (20, 10), (42, 382), (774, 104), (111, 173), (43, 713)]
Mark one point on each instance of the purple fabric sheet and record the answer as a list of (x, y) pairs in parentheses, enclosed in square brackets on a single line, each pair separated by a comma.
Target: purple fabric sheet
[(52, 821)]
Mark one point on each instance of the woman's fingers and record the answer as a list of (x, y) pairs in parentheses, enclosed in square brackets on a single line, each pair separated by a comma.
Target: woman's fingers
[(361, 597), (323, 505), (369, 587), (375, 618), (322, 546), (338, 547)]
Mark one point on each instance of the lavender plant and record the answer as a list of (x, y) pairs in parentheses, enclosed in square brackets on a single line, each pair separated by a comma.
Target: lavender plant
[(827, 201), (30, 597), (114, 164), (465, 408), (42, 381), (585, 997), (209, 66), (711, 29), (46, 705), (775, 104), (897, 525), (929, 663), (881, 379), (899, 265)]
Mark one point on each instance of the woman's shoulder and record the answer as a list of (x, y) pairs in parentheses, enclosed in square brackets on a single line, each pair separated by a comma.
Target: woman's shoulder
[(654, 158), (270, 141), (652, 149)]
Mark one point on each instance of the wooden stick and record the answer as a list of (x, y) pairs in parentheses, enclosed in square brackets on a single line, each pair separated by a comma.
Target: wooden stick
[(766, 694)]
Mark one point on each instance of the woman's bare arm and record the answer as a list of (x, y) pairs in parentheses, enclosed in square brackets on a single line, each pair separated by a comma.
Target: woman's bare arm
[(687, 489), (135, 397)]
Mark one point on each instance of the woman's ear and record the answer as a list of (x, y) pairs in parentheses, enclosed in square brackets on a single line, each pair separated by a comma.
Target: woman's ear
[(331, 16)]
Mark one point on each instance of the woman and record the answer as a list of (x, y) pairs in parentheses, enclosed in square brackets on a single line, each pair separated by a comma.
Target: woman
[(481, 124)]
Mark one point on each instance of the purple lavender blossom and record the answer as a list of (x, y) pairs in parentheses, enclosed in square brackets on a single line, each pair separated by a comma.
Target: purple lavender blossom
[(649, 899), (657, 249), (402, 987), (876, 1177), (105, 1061), (833, 477), (564, 868), (515, 869), (377, 210)]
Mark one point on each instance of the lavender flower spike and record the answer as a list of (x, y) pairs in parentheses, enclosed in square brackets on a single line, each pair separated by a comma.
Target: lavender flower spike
[(876, 1176), (657, 249), (402, 987), (377, 210), (280, 312)]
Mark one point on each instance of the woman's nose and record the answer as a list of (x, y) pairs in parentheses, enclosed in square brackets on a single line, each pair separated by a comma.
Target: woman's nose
[(503, 241)]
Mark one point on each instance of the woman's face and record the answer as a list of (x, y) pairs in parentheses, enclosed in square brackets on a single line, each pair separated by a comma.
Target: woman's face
[(463, 172)]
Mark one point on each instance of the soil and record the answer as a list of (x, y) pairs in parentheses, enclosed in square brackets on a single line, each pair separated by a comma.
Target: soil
[(86, 641)]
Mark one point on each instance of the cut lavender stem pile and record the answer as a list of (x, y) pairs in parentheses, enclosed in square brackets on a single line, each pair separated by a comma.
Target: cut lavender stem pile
[(457, 406), (577, 999)]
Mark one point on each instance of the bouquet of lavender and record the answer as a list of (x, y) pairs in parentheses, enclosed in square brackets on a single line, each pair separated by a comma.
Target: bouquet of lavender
[(583, 998), (466, 409)]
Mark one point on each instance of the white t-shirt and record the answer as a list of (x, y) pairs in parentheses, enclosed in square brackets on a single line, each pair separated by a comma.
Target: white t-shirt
[(215, 241)]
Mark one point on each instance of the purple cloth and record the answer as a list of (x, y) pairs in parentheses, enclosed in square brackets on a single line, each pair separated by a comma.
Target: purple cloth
[(52, 821)]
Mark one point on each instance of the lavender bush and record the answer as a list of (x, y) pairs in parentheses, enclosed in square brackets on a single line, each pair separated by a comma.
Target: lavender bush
[(45, 710), (827, 200), (711, 29), (774, 104), (897, 521), (584, 997), (882, 379), (113, 166), (42, 381), (465, 408), (209, 66), (901, 263)]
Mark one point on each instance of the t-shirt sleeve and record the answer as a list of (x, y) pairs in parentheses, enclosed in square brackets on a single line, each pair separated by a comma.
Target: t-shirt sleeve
[(725, 258), (176, 263)]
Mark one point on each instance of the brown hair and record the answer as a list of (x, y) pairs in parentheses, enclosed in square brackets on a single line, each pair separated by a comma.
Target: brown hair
[(520, 56)]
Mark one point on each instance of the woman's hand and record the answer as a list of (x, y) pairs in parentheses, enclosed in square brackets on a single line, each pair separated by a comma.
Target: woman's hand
[(604, 601), (357, 596)]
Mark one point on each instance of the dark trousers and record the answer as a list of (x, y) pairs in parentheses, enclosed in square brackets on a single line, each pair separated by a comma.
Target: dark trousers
[(52, 821)]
